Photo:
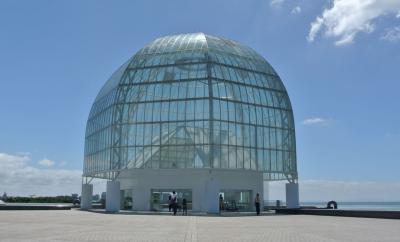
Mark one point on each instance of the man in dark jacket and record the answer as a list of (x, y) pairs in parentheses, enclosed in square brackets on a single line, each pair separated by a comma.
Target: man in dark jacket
[(257, 202)]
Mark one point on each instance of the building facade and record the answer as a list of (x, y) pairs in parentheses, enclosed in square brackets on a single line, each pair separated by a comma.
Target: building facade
[(201, 115)]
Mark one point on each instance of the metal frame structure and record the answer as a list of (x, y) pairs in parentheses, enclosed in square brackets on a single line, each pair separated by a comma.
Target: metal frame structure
[(192, 101)]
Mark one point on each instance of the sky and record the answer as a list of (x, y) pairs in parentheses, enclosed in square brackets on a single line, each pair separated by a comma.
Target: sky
[(339, 60)]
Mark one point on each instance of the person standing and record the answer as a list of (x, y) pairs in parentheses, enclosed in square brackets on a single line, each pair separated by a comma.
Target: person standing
[(169, 203), (221, 203), (184, 206), (257, 203), (174, 201)]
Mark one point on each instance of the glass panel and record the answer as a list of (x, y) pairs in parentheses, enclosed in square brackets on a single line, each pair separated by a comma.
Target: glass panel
[(160, 199), (236, 200)]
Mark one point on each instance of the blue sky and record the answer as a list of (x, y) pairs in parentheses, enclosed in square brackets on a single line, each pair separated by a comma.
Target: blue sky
[(339, 60)]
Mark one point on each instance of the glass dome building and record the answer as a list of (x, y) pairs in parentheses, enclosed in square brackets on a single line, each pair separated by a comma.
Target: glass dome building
[(193, 113)]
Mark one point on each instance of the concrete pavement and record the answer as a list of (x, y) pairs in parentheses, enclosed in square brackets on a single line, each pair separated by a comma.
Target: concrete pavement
[(75, 225)]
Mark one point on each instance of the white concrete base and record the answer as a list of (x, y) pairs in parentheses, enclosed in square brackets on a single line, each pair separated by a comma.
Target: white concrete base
[(205, 185), (86, 196), (292, 195), (113, 196)]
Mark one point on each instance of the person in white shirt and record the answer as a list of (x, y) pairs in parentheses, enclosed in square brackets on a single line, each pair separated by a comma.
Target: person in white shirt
[(174, 201)]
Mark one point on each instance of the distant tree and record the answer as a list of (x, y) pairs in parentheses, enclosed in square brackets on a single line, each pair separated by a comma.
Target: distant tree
[(56, 199), (4, 197)]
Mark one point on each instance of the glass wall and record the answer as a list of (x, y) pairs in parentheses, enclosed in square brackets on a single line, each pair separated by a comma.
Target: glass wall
[(236, 200), (126, 201), (159, 200), (193, 101)]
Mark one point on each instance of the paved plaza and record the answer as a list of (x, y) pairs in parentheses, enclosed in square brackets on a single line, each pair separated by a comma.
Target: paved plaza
[(78, 225)]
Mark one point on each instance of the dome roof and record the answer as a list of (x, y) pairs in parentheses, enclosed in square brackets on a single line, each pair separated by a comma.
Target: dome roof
[(192, 101), (198, 41), (198, 45)]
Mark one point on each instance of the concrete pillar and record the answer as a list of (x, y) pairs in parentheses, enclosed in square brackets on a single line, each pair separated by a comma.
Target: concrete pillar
[(141, 199), (86, 196), (292, 195), (198, 199), (212, 192), (113, 196), (266, 191)]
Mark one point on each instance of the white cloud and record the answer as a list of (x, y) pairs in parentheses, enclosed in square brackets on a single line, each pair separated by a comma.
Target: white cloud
[(46, 162), (296, 10), (12, 161), (325, 190), (316, 121), (17, 177), (276, 3), (392, 34), (346, 18)]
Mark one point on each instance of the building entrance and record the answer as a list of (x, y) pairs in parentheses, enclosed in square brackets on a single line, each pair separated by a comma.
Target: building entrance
[(236, 200), (159, 199)]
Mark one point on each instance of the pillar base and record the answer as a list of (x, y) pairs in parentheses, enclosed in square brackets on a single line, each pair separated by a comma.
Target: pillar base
[(86, 196), (113, 196), (292, 195)]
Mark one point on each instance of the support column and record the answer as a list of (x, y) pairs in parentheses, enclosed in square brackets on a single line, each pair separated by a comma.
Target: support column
[(113, 196), (86, 196), (292, 195), (212, 200), (141, 198)]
